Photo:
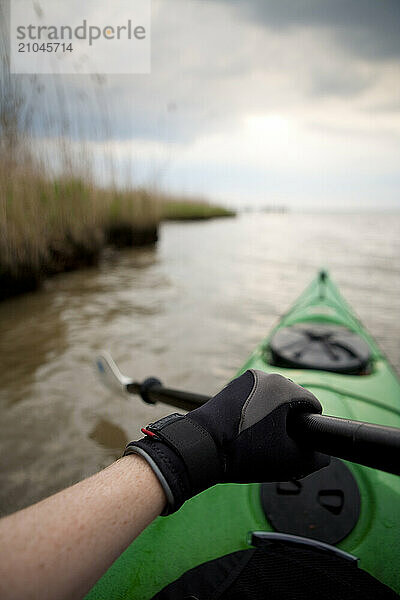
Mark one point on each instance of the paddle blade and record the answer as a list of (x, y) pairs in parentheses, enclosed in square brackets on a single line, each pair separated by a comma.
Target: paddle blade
[(110, 374)]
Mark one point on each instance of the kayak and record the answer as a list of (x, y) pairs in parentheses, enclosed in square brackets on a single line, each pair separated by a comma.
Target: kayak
[(321, 345)]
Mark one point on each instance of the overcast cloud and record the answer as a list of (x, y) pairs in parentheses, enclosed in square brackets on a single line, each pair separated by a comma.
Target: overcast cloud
[(253, 102)]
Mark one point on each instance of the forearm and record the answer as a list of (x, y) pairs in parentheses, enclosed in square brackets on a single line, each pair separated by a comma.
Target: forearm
[(58, 548)]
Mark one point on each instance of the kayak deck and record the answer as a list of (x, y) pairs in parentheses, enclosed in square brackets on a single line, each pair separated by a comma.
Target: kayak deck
[(218, 521)]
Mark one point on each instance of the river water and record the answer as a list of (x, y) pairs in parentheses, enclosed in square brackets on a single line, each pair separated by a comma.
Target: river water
[(189, 312)]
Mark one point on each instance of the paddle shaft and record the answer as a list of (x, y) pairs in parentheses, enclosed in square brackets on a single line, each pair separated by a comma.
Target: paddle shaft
[(374, 446), (370, 445), (176, 398)]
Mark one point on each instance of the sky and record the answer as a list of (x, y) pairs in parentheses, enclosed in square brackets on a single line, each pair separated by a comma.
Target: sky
[(251, 103)]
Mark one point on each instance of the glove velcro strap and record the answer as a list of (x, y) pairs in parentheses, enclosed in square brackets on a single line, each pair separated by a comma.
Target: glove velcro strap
[(194, 445)]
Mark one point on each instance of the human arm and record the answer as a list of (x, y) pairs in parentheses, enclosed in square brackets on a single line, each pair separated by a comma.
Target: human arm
[(57, 549)]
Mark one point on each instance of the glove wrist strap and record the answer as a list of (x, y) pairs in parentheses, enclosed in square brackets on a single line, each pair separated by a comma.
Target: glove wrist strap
[(193, 444)]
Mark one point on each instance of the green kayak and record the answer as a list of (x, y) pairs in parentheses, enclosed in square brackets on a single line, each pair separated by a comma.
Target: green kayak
[(321, 345)]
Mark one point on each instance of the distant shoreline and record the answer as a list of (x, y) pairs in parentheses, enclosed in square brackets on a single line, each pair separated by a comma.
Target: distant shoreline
[(186, 210)]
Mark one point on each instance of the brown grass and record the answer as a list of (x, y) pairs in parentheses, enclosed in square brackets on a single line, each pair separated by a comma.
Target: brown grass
[(48, 226), (52, 222)]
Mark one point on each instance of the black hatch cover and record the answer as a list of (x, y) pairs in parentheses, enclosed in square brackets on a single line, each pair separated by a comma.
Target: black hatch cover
[(324, 505), (320, 347)]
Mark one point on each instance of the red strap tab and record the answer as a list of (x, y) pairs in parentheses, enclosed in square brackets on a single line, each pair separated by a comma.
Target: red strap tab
[(147, 432)]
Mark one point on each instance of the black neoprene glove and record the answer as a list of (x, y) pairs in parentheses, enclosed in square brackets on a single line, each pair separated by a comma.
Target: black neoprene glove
[(237, 436)]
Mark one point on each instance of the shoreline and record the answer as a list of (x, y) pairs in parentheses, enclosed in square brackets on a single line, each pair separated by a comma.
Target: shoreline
[(73, 255), (51, 226)]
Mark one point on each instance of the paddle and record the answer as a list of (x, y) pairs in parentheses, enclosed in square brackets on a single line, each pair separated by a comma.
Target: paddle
[(370, 445)]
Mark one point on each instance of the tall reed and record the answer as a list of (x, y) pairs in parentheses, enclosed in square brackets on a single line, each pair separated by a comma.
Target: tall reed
[(53, 217)]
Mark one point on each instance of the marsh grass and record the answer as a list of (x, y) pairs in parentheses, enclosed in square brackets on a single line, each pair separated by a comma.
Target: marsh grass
[(55, 219), (192, 210), (51, 226)]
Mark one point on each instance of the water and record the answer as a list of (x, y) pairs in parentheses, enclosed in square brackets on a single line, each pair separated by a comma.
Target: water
[(189, 312)]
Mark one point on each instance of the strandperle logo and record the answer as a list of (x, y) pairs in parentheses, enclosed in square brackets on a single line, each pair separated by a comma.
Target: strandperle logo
[(87, 32), (80, 36)]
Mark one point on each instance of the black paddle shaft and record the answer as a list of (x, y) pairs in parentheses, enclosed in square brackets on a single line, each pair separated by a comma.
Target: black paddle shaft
[(370, 445), (374, 446)]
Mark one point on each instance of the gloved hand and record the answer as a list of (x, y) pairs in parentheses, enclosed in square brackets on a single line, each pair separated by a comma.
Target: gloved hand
[(237, 436)]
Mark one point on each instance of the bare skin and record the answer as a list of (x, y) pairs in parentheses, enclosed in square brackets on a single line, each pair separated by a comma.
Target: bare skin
[(58, 549)]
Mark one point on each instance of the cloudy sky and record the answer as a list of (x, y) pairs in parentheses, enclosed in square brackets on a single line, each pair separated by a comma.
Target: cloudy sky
[(256, 102)]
